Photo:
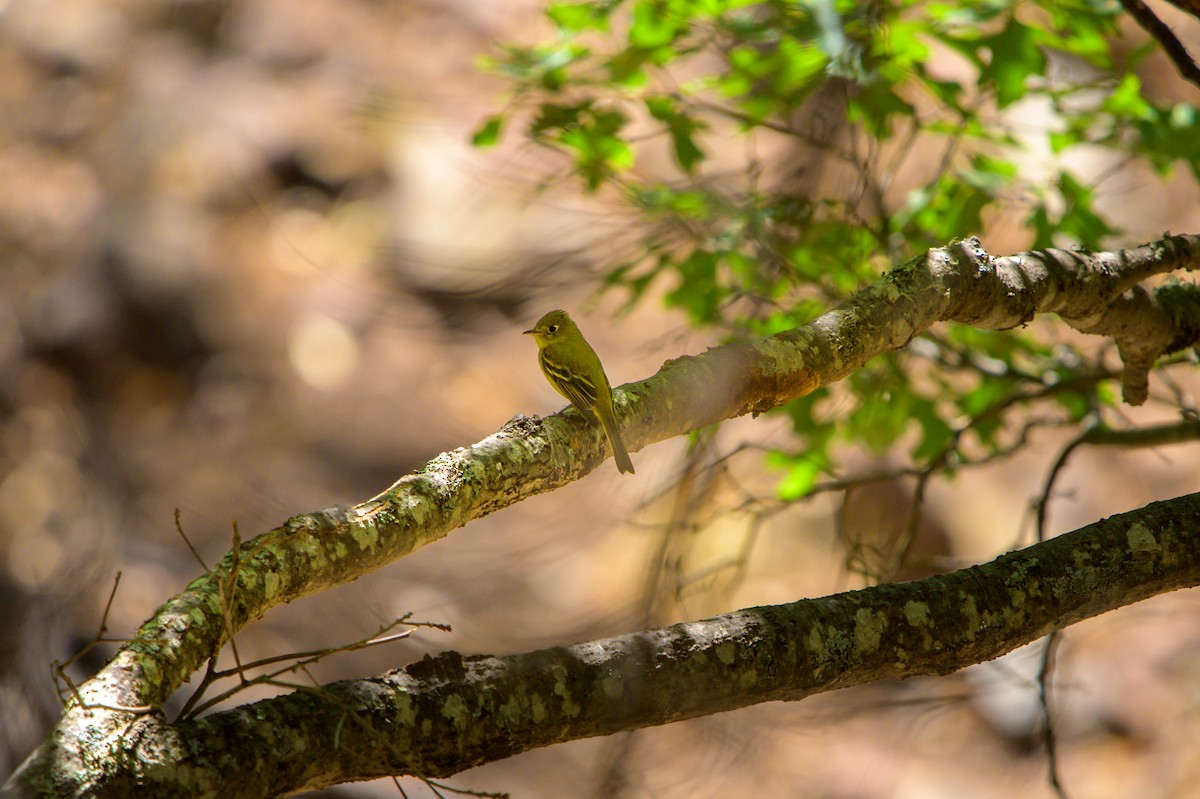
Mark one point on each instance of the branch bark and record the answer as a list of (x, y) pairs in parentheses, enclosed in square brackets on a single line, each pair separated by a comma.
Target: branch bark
[(448, 713), (91, 744)]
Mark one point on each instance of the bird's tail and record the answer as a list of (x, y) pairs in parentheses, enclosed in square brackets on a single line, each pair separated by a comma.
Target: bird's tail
[(620, 454)]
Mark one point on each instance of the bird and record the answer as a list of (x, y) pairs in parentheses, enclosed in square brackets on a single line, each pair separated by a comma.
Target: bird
[(574, 370)]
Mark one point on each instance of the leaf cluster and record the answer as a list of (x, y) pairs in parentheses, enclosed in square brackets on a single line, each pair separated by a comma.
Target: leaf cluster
[(892, 126)]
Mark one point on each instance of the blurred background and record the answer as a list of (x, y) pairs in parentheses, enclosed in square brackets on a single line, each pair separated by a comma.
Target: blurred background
[(251, 266)]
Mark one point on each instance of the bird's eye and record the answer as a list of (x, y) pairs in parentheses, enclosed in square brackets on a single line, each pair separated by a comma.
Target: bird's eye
[(552, 329)]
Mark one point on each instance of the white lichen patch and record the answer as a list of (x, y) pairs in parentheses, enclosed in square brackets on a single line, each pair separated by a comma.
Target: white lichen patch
[(917, 613), (1140, 539), (150, 670), (509, 713), (537, 709), (868, 629), (814, 642), (272, 581), (406, 714), (455, 710), (570, 707)]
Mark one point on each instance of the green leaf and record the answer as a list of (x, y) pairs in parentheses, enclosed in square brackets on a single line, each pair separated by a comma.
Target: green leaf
[(552, 116), (1015, 57), (904, 43), (685, 204), (1079, 220), (799, 480), (1085, 29), (985, 394), (488, 133), (802, 468), (681, 126), (798, 63), (697, 291), (651, 27), (935, 432), (1078, 405), (625, 68), (876, 105), (1043, 228), (953, 206), (1126, 100), (591, 134), (885, 399), (1168, 137), (576, 17)]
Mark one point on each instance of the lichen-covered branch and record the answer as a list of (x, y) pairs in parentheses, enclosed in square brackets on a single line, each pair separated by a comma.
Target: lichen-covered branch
[(313, 552), (447, 713)]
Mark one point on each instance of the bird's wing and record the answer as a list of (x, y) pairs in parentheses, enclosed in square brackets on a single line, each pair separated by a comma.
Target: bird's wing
[(572, 384)]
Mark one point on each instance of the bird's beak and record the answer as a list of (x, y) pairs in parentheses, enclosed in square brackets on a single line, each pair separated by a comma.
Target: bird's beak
[(526, 332)]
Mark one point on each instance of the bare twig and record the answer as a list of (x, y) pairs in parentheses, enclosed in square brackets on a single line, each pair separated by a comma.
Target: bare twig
[(1166, 37), (1048, 735), (227, 590), (301, 660), (1102, 436), (188, 541), (1095, 435), (437, 787), (59, 670)]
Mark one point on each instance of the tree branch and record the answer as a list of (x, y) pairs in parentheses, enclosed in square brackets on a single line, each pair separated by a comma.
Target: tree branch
[(528, 456), (1162, 32), (444, 714)]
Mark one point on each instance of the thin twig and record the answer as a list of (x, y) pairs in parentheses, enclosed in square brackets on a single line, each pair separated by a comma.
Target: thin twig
[(1166, 37), (186, 540), (1100, 435), (227, 595), (59, 670), (301, 661), (1048, 735)]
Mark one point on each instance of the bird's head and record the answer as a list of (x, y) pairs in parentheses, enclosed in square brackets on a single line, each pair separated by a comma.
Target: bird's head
[(552, 327)]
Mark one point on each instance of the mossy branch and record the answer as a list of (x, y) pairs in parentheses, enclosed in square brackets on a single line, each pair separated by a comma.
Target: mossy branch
[(1095, 292), (444, 714)]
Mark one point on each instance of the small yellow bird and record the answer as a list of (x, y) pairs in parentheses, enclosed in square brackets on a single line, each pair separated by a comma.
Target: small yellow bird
[(572, 367)]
